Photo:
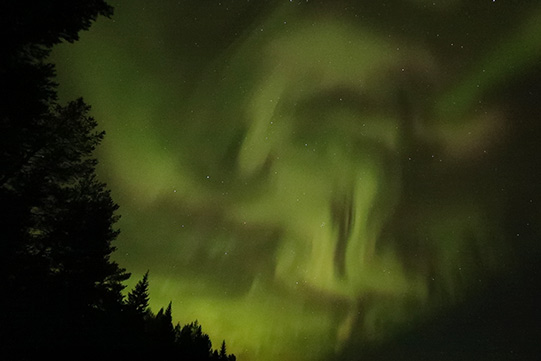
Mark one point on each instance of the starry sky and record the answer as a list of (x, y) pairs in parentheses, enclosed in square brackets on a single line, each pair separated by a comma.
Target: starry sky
[(308, 177)]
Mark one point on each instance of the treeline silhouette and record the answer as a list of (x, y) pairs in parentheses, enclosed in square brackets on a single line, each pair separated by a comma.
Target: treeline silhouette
[(155, 335), (61, 293)]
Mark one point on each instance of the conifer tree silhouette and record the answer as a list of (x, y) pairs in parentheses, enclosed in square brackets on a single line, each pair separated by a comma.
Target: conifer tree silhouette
[(57, 224), (138, 298)]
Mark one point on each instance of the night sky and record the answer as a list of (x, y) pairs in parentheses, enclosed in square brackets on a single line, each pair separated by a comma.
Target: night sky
[(309, 177)]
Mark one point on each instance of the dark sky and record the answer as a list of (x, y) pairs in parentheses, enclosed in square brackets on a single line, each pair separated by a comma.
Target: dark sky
[(306, 177)]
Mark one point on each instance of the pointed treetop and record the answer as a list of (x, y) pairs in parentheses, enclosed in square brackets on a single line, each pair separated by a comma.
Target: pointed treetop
[(138, 298)]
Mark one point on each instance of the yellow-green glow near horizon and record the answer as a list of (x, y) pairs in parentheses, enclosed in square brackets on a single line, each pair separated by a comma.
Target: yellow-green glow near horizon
[(301, 182)]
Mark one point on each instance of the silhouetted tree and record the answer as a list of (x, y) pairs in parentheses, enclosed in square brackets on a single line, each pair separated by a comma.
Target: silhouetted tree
[(61, 291), (57, 218), (165, 323), (47, 23), (58, 255), (223, 353), (139, 297), (194, 344), (223, 356), (160, 333), (29, 29)]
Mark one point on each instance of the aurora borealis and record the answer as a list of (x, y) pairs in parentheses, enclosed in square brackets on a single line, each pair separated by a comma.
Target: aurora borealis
[(306, 177)]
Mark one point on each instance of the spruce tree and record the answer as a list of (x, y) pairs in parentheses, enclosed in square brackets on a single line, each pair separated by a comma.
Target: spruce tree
[(58, 219), (194, 344), (60, 272), (139, 297), (223, 352), (164, 330)]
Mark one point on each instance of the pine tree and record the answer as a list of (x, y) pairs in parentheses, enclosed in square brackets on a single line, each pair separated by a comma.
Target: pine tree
[(57, 259), (57, 217), (223, 351), (164, 325), (138, 298), (194, 344)]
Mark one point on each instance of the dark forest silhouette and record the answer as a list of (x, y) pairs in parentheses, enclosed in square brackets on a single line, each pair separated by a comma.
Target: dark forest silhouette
[(62, 294)]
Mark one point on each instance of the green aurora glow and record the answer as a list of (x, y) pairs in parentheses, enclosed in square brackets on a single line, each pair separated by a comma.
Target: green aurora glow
[(302, 177)]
